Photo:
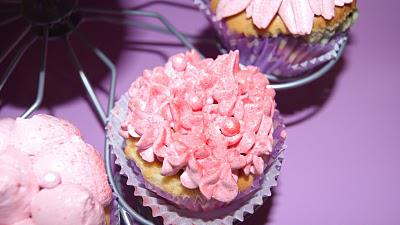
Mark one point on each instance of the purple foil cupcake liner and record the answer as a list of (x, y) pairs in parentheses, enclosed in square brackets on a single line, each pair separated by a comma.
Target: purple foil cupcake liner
[(172, 214), (281, 56)]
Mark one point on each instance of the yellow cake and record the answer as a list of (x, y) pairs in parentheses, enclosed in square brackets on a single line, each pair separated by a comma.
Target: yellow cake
[(239, 23)]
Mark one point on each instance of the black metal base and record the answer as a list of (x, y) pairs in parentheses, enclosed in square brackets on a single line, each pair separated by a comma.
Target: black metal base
[(58, 16), (59, 29), (42, 12)]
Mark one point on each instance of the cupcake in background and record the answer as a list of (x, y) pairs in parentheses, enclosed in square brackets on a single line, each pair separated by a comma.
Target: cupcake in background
[(285, 38), (49, 175), (202, 134)]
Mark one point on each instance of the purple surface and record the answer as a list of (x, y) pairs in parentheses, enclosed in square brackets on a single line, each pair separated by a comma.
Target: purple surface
[(341, 166)]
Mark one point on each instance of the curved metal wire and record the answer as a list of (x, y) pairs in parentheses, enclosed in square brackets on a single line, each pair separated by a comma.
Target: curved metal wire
[(110, 66), (42, 78), (15, 43), (88, 87), (147, 26), (121, 201), (110, 20), (125, 216), (155, 15), (10, 20), (15, 61)]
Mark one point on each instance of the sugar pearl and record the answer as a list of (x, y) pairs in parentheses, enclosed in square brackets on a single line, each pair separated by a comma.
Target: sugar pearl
[(179, 62), (230, 127), (196, 103), (50, 180)]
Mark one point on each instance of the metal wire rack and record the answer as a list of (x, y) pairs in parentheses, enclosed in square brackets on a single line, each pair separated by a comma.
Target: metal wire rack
[(57, 19)]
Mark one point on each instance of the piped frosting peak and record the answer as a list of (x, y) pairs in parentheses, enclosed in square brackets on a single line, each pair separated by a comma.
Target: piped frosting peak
[(211, 119)]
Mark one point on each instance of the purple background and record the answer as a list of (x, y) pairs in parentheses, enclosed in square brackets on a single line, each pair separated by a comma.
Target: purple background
[(342, 165)]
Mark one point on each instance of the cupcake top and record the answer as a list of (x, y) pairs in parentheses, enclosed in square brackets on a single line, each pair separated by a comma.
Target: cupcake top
[(41, 133), (206, 119), (6, 125), (81, 208), (297, 15), (45, 158)]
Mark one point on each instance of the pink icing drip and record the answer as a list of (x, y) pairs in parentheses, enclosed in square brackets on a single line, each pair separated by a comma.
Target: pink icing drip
[(209, 118), (298, 15)]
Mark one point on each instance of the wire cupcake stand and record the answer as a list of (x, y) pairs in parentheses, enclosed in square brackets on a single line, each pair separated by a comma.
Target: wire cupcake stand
[(56, 20)]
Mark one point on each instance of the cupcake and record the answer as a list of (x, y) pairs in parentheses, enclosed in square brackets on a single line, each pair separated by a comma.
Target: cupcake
[(284, 38), (201, 134), (49, 175)]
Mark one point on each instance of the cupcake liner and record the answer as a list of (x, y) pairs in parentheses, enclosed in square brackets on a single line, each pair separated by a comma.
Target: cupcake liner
[(199, 204), (175, 215), (282, 56), (114, 213)]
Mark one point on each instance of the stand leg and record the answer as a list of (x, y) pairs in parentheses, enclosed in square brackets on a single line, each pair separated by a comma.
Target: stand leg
[(124, 205), (14, 62), (155, 15), (125, 216), (86, 83), (15, 43), (42, 77), (143, 25), (110, 66), (10, 20)]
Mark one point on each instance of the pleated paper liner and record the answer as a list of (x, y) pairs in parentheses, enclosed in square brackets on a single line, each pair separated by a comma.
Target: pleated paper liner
[(282, 55), (170, 213)]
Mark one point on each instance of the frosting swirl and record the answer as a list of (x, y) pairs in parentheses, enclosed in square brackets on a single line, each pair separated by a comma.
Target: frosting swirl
[(298, 15), (211, 119)]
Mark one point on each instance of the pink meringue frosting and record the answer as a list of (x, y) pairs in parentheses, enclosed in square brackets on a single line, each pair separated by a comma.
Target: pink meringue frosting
[(298, 15), (209, 118), (6, 125), (46, 159), (25, 222), (73, 162), (16, 186), (70, 204), (41, 133)]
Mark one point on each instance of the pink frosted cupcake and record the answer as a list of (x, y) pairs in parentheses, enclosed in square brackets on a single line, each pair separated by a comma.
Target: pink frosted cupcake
[(49, 175), (201, 133), (282, 37)]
